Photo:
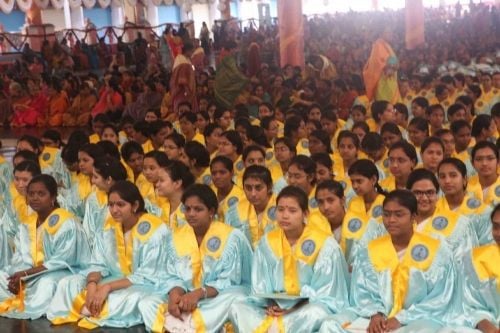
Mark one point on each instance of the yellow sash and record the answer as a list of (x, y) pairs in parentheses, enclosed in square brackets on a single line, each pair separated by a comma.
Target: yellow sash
[(443, 222), (419, 255), (486, 261)]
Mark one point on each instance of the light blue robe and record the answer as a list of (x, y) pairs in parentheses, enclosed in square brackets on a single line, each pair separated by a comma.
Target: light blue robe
[(429, 289), (96, 214), (225, 259), (321, 278), (146, 273), (64, 249)]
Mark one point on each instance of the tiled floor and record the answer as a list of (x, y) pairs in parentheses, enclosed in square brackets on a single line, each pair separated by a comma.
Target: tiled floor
[(43, 326)]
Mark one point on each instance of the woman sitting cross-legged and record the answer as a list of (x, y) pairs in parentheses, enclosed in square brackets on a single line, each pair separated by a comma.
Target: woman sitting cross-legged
[(127, 264)]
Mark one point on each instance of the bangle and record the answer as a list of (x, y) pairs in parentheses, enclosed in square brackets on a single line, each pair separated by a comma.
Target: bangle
[(205, 292)]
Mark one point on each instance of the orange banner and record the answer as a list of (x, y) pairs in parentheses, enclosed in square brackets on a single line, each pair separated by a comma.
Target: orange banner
[(415, 35), (291, 32)]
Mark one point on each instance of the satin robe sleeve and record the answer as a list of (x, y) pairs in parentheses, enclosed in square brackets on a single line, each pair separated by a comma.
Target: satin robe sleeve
[(329, 284), (440, 285), (21, 259), (463, 238), (234, 266), (234, 217), (98, 258), (150, 260), (482, 226), (365, 295), (480, 298), (67, 248), (177, 268)]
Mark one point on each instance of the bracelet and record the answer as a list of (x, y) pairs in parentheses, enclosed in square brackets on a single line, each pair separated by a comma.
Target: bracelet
[(91, 281), (205, 292)]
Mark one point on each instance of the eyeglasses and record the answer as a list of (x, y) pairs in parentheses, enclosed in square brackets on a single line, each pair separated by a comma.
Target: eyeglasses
[(428, 194)]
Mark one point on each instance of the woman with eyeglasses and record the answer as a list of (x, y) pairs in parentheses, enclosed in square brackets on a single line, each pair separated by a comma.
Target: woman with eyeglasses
[(455, 228), (452, 178), (401, 282), (485, 186)]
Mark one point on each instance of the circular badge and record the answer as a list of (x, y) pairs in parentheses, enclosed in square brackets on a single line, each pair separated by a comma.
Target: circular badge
[(440, 222), (308, 247), (46, 156), (213, 243), (497, 191), (53, 220), (386, 163), (419, 252), (269, 155), (313, 203), (473, 203), (144, 227), (271, 213), (240, 166), (446, 103), (354, 225), (377, 211), (343, 183), (480, 103), (207, 179), (232, 201), (305, 144)]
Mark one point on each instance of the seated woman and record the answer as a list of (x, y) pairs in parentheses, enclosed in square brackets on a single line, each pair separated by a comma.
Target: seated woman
[(485, 186), (401, 282), (208, 266), (78, 114), (479, 284), (299, 275), (256, 214), (126, 265), (151, 165), (107, 171), (50, 245)]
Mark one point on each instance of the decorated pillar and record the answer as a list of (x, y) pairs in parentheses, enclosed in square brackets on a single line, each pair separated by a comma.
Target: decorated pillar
[(291, 32), (415, 34)]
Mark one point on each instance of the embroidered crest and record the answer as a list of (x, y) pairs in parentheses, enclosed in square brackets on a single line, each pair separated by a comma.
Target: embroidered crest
[(46, 156), (240, 166), (313, 203), (53, 220), (480, 103), (440, 223), (419, 252), (305, 144), (271, 213), (213, 243), (497, 191), (143, 227), (343, 183), (207, 179), (386, 163), (308, 247), (377, 211), (232, 201), (473, 203), (269, 155), (354, 225)]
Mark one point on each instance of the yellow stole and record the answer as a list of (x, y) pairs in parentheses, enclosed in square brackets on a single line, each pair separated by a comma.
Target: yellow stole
[(485, 260), (443, 222), (47, 157), (419, 255), (84, 185), (213, 245), (257, 229)]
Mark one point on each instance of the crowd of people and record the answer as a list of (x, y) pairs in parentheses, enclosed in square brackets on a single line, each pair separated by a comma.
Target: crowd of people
[(360, 193)]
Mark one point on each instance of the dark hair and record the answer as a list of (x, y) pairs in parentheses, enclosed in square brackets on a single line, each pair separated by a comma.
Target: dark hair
[(129, 148), (156, 126), (359, 108), (495, 210), (466, 101), (420, 124), (257, 135), (454, 108), (225, 161), (324, 138), (329, 114), (430, 140), (306, 164), (292, 125), (348, 134), (315, 122), (93, 150), (287, 142), (483, 145), (196, 151), (323, 159), (331, 185), (266, 121), (434, 107), (250, 149), (368, 169), (28, 166), (402, 109), (481, 122), (296, 193), (49, 182), (403, 197), (210, 128), (202, 192), (442, 131), (189, 116), (53, 135), (34, 142), (378, 107), (235, 139), (128, 192), (458, 164), (27, 155), (112, 127), (439, 89), (142, 127), (179, 171), (109, 167), (457, 125), (100, 118), (372, 142), (422, 174), (109, 148), (421, 101), (495, 110), (156, 112), (177, 139), (361, 124), (391, 128), (259, 172), (407, 149)]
